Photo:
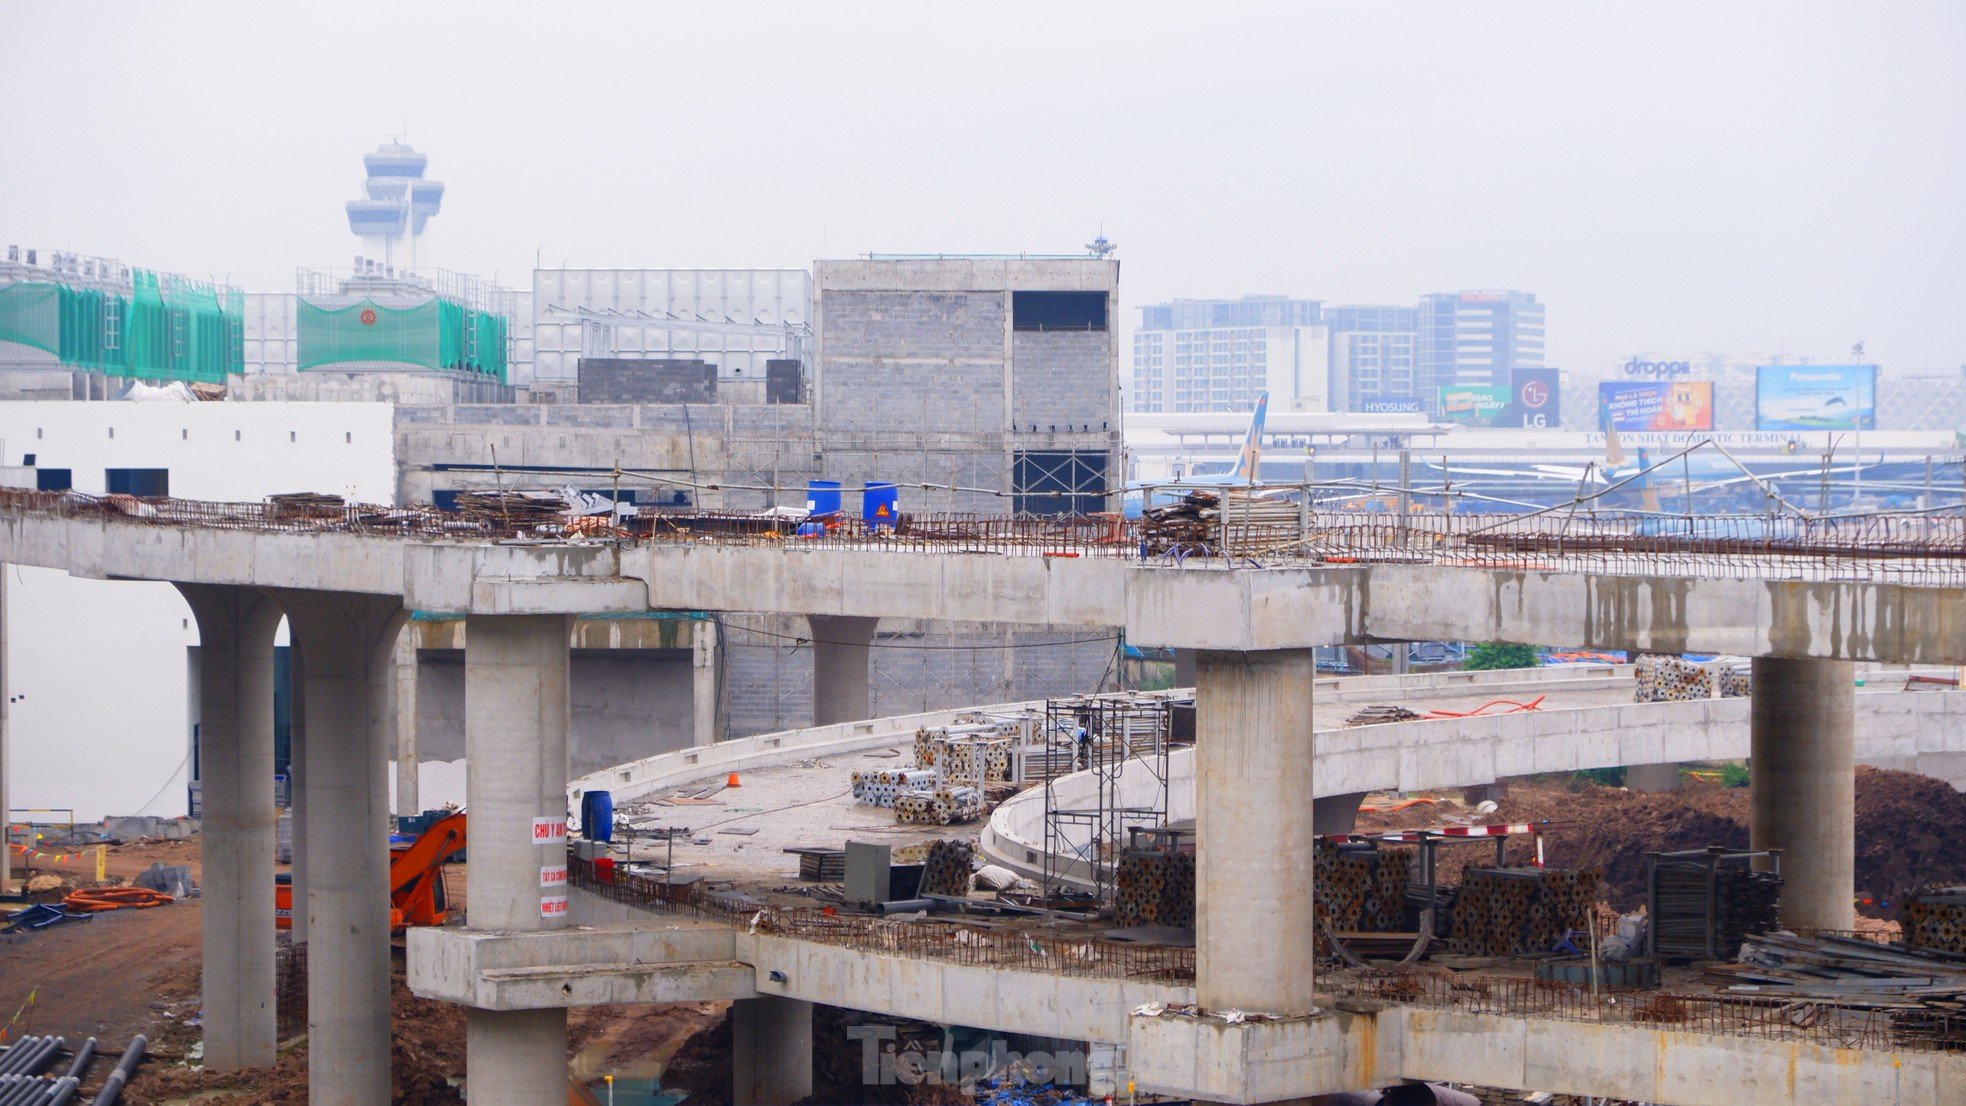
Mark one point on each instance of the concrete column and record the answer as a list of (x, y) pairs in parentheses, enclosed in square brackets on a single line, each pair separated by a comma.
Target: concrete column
[(703, 680), (1652, 777), (1254, 825), (6, 698), (1336, 813), (346, 640), (402, 712), (771, 1051), (840, 648), (297, 768), (515, 749), (240, 828), (1803, 785), (1184, 668)]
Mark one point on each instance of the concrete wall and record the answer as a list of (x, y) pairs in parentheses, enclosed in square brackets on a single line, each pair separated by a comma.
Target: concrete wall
[(101, 666), (627, 704), (915, 666), (330, 386), (913, 360), (1062, 377), (653, 380)]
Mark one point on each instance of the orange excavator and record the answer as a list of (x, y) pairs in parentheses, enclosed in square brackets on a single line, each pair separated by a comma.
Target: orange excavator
[(416, 879)]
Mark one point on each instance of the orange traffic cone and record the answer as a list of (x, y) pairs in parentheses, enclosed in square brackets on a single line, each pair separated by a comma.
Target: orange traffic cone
[(732, 781)]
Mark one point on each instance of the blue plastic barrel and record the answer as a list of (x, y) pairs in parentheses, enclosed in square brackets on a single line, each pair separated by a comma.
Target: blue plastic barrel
[(880, 503), (823, 497), (597, 815)]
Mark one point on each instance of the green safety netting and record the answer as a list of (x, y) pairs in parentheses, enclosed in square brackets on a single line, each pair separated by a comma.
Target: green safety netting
[(166, 329), (435, 334)]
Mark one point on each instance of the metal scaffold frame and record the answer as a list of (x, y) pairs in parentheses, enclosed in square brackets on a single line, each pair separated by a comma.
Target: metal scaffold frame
[(1105, 733)]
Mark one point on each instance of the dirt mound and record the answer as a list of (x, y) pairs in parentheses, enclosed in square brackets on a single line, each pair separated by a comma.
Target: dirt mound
[(1909, 834), (1907, 830), (426, 1053)]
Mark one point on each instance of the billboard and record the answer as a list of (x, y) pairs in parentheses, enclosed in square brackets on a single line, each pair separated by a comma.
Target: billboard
[(1475, 404), (1388, 405), (1535, 399), (1815, 397), (1628, 405)]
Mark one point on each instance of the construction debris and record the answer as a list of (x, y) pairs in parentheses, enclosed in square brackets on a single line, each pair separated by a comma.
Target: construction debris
[(513, 512), (1378, 715), (1935, 919)]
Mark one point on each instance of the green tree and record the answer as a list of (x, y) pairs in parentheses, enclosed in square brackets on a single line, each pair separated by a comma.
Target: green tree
[(1494, 654)]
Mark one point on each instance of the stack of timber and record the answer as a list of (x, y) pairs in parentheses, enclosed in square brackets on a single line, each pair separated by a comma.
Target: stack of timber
[(295, 506), (1515, 911), (513, 512), (1196, 522), (1923, 990)]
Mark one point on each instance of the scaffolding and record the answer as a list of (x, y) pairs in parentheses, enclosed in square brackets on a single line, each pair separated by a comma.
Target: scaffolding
[(1123, 740)]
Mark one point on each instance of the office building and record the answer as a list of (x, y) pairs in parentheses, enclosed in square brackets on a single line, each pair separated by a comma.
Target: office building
[(1374, 358), (1219, 355), (1477, 338)]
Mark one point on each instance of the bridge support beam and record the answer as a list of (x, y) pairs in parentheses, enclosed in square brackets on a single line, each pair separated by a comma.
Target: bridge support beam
[(515, 747), (1652, 777), (346, 639), (240, 827), (402, 715), (297, 771), (771, 1051), (1803, 749), (1254, 825), (840, 649), (1336, 813)]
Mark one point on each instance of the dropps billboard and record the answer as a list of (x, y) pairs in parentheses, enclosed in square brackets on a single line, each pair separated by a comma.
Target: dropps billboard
[(1639, 405), (1815, 397)]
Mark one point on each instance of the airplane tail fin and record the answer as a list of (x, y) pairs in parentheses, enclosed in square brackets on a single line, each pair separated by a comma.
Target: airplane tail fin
[(1251, 454)]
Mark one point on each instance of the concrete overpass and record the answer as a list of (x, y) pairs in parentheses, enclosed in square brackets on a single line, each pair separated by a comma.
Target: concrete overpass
[(1804, 608)]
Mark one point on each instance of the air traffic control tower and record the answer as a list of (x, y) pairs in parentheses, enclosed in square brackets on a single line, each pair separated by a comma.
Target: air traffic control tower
[(397, 205)]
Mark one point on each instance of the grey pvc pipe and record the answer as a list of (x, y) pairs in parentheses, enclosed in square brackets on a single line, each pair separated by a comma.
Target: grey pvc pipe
[(82, 1057), (64, 1089), (112, 1087), (24, 1088), (11, 1062), (904, 906)]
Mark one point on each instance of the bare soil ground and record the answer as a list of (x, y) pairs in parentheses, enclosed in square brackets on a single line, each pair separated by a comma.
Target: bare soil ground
[(1908, 830)]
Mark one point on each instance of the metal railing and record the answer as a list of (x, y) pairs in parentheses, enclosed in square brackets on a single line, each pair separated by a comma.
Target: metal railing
[(1922, 550), (1819, 1021), (1030, 948)]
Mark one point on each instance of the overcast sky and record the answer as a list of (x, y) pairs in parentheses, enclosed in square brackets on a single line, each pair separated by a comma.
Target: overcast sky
[(1667, 177)]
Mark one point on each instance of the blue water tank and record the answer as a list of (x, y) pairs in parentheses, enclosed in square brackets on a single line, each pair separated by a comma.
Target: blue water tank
[(597, 815), (823, 497), (880, 504)]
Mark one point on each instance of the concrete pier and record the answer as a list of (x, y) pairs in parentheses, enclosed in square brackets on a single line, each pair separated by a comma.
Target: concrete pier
[(1652, 777), (705, 728), (1803, 768), (1336, 813), (771, 1051), (515, 731), (1254, 825), (346, 639), (240, 827), (402, 710), (840, 653), (297, 782)]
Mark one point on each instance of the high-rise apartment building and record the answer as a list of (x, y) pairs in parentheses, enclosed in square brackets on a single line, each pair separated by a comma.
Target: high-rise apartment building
[(1373, 358), (1477, 338), (1219, 355)]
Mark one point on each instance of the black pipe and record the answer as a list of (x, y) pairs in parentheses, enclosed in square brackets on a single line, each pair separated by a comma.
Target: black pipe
[(82, 1057), (112, 1087)]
